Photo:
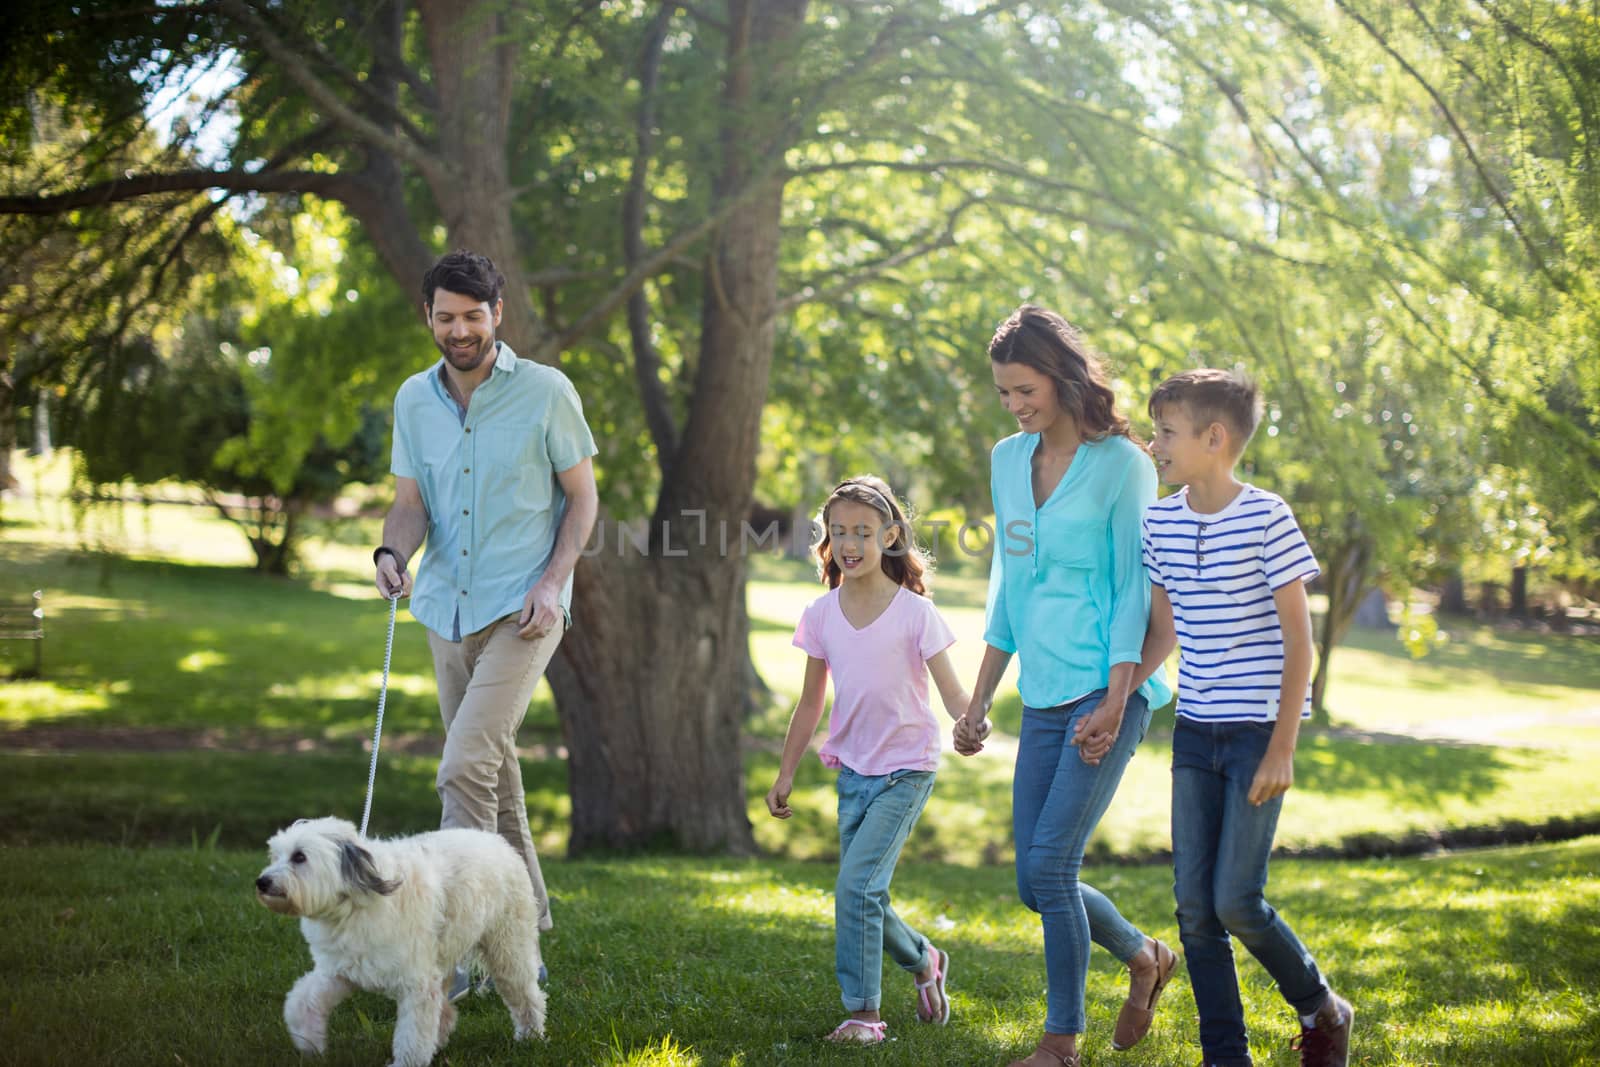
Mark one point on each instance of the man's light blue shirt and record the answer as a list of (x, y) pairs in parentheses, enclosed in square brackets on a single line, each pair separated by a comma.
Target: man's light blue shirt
[(1068, 591), (488, 480)]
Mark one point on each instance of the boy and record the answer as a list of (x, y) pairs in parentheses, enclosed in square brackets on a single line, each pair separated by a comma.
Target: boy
[(1228, 567)]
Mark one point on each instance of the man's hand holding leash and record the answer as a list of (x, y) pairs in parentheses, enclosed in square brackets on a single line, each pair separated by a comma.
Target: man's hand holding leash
[(392, 580)]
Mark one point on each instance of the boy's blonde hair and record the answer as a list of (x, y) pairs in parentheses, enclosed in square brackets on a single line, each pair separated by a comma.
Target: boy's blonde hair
[(1210, 395)]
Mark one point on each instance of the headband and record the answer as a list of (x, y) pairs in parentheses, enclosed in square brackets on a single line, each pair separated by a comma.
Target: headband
[(887, 508)]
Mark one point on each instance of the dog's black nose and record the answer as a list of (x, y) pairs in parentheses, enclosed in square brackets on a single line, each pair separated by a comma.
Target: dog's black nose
[(263, 884)]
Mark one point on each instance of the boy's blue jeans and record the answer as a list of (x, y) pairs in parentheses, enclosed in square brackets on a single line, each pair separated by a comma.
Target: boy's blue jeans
[(1056, 802), (876, 814), (1220, 845)]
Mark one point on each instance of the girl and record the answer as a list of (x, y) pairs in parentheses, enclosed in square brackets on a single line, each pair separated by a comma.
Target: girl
[(880, 636), (1068, 595)]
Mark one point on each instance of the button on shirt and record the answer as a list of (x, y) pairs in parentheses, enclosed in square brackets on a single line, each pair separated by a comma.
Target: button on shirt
[(488, 479), (1067, 588)]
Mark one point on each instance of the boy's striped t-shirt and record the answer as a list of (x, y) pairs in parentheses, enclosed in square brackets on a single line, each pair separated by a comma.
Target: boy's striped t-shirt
[(1220, 571)]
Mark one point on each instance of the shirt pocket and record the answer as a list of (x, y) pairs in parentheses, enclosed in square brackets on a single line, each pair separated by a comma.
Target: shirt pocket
[(1072, 542), (518, 470)]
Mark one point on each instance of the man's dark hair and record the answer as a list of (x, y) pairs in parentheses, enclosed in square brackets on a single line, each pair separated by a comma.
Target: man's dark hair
[(467, 273)]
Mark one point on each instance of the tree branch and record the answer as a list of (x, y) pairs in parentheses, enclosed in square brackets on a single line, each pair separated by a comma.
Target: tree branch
[(945, 238), (646, 360), (190, 181), (301, 73), (1500, 200), (635, 277)]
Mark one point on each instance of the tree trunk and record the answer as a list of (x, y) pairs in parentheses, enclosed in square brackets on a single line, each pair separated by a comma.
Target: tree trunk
[(8, 415), (651, 694), (1519, 592), (41, 425), (1349, 568), (1453, 595), (651, 683), (474, 59)]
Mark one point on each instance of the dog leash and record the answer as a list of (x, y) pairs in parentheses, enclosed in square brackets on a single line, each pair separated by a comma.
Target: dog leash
[(383, 696)]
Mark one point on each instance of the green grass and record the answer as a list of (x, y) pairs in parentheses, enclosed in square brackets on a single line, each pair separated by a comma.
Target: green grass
[(132, 935), (178, 643), (161, 956)]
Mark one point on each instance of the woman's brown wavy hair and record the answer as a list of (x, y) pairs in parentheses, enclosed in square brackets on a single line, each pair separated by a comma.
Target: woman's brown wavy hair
[(1041, 339)]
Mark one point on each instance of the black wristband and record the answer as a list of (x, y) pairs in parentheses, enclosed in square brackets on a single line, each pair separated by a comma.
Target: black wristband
[(381, 549)]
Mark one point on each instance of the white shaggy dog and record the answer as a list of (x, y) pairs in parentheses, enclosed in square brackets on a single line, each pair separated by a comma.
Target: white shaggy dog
[(396, 917)]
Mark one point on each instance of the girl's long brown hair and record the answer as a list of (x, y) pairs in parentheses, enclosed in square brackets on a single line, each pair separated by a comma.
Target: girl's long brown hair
[(904, 561)]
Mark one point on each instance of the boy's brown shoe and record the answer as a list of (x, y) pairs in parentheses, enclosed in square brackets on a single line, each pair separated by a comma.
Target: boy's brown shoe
[(1326, 1043)]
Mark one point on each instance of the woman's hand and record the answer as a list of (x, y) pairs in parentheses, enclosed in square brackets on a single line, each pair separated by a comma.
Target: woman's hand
[(1097, 732), (969, 734)]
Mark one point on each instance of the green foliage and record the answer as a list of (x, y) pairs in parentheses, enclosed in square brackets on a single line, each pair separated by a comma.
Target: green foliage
[(323, 344), (272, 388)]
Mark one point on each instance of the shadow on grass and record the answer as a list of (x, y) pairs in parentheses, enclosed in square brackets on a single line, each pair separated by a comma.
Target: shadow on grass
[(235, 799), (1421, 773)]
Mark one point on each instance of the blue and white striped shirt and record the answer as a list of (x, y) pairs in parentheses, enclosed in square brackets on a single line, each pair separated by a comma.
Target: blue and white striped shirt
[(1220, 572)]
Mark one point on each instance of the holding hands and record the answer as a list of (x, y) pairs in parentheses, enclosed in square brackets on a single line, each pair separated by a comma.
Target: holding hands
[(1095, 734), (971, 729)]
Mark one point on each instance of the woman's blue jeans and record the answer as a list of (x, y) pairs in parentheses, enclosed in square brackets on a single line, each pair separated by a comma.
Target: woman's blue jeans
[(1056, 802), (1220, 845), (876, 814)]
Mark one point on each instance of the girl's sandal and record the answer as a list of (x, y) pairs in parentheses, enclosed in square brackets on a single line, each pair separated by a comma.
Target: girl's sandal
[(859, 1032), (926, 1010)]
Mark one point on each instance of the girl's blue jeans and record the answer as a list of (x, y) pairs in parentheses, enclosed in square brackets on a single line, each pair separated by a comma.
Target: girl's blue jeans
[(876, 814), (1220, 845), (1056, 801)]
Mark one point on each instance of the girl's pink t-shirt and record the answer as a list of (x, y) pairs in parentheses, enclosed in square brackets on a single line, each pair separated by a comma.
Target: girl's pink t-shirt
[(881, 720)]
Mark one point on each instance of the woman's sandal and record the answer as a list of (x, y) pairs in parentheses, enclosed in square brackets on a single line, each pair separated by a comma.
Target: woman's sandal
[(925, 1009), (865, 1033), (1133, 1021)]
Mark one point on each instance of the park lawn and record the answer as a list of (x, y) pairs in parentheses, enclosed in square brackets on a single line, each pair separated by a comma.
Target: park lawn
[(162, 956), (205, 653), (1485, 682), (132, 935)]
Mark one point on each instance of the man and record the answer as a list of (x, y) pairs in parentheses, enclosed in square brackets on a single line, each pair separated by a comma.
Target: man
[(492, 465)]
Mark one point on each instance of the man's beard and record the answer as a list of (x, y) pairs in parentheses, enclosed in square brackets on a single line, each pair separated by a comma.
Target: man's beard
[(468, 360)]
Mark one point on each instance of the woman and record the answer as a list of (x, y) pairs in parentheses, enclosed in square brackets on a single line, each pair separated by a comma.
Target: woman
[(1068, 594)]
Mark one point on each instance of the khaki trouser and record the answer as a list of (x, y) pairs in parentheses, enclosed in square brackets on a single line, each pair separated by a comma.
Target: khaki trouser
[(485, 683)]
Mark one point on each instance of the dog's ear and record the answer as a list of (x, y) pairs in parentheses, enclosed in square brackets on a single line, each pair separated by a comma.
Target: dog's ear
[(356, 864)]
